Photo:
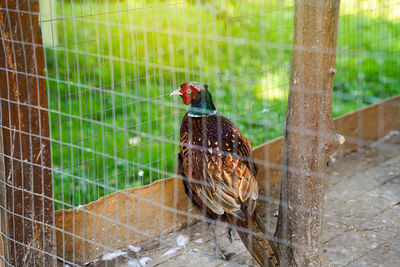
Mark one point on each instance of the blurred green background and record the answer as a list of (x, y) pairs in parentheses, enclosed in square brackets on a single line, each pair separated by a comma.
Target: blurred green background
[(111, 65)]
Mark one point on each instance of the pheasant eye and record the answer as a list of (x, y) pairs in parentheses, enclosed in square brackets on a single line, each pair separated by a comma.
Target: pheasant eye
[(188, 91)]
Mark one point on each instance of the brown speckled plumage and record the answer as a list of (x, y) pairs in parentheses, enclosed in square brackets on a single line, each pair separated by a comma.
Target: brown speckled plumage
[(216, 160), (218, 171), (219, 176)]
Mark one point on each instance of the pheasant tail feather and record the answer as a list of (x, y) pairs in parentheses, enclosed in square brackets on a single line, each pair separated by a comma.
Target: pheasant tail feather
[(262, 249)]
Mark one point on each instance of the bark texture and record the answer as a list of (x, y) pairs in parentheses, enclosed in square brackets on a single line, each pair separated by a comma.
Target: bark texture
[(26, 206), (310, 134)]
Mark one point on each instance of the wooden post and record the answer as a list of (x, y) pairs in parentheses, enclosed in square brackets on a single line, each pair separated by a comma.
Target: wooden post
[(310, 134), (27, 206)]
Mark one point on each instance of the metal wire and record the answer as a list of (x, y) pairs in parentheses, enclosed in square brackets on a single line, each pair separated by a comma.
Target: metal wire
[(110, 66)]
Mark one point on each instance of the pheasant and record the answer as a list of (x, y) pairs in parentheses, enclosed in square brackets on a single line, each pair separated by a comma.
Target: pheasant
[(218, 171)]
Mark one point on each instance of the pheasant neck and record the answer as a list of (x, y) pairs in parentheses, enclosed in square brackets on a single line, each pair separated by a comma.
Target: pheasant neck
[(202, 108)]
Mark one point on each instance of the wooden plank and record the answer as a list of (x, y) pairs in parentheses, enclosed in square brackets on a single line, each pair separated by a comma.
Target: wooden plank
[(136, 215), (366, 125), (27, 234), (123, 218), (382, 118)]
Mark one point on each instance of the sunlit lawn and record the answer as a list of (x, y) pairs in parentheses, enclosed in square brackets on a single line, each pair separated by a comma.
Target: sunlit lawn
[(110, 74)]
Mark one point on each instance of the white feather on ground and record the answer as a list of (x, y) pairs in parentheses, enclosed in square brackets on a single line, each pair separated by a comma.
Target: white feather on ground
[(134, 248), (112, 255), (181, 242)]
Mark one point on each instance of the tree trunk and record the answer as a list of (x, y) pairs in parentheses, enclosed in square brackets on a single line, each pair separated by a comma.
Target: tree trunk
[(26, 182), (310, 134)]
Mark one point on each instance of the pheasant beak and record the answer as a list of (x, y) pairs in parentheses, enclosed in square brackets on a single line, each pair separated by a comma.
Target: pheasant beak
[(176, 92)]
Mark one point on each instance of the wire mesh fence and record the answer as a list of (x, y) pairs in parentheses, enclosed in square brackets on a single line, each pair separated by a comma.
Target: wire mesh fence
[(118, 82), (111, 65)]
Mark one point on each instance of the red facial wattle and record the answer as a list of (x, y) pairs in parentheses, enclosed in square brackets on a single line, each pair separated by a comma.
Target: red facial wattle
[(188, 93), (187, 98)]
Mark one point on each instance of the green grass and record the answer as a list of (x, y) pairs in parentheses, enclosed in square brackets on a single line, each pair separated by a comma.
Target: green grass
[(114, 64)]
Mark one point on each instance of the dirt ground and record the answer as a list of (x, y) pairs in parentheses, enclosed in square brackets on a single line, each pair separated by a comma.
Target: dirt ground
[(361, 220)]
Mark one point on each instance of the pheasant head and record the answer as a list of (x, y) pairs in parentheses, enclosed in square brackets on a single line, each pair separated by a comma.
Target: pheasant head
[(198, 96)]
